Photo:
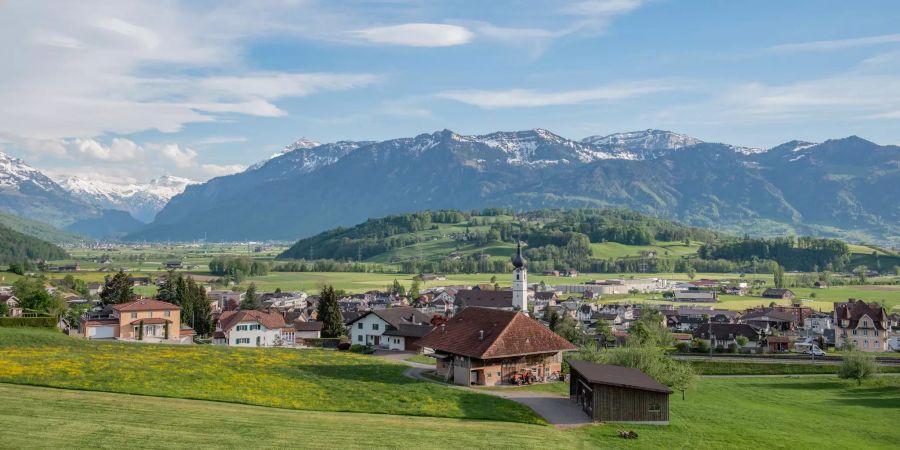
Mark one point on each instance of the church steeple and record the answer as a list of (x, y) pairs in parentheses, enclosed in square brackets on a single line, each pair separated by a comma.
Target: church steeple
[(520, 280), (518, 261)]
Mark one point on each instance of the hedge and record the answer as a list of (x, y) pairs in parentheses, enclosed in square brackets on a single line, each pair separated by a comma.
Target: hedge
[(36, 322)]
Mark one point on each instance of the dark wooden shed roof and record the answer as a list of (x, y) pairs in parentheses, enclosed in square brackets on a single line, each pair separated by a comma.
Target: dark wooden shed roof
[(617, 376)]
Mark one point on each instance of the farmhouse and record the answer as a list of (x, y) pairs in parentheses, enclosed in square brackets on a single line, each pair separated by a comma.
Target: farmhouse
[(865, 326), (172, 265), (489, 347), (251, 328), (618, 394), (771, 318), (484, 299), (722, 335), (144, 319), (390, 328), (778, 293)]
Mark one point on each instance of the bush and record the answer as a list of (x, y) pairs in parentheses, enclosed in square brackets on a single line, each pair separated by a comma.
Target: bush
[(365, 349), (344, 346), (857, 366), (683, 347), (35, 322), (732, 348), (701, 346)]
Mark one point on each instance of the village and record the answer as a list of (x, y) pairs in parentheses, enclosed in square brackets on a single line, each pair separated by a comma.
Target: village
[(486, 336)]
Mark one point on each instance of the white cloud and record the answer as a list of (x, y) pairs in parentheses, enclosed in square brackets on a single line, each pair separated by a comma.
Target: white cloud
[(603, 8), (520, 98), (182, 157), (92, 69), (216, 170), (837, 44), (417, 35)]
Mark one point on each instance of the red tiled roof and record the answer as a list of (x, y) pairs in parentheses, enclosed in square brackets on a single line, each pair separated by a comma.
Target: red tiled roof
[(146, 304), (229, 319), (151, 321), (493, 333)]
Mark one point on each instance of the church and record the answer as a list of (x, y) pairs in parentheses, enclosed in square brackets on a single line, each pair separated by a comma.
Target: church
[(515, 299)]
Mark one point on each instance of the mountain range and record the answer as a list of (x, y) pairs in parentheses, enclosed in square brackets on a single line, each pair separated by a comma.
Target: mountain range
[(843, 187), (141, 200), (81, 207)]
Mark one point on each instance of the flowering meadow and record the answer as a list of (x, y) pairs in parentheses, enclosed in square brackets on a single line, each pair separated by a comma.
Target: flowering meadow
[(285, 378)]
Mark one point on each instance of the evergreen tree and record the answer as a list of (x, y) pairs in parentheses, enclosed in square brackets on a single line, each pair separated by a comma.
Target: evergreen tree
[(251, 299), (414, 290), (167, 290), (329, 313), (118, 289), (202, 311)]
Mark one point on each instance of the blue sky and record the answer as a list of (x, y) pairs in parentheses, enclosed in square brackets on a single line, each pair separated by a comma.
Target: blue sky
[(127, 91)]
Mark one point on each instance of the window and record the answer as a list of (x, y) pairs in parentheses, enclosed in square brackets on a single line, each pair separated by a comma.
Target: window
[(242, 341), (854, 332), (359, 337), (865, 332), (255, 326), (866, 343), (375, 326), (134, 315), (168, 314), (654, 408), (359, 325)]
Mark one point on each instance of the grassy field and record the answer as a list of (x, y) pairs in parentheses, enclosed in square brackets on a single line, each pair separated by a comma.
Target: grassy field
[(767, 368), (616, 250), (285, 378), (718, 413)]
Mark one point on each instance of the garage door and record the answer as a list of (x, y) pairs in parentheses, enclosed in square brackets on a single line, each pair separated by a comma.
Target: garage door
[(102, 332)]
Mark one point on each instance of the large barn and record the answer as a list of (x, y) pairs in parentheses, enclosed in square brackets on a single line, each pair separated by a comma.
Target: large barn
[(488, 347), (618, 394)]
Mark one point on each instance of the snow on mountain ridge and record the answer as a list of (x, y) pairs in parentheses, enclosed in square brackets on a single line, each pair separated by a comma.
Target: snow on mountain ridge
[(142, 201), (644, 144)]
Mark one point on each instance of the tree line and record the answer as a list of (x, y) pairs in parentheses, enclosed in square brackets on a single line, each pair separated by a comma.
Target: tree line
[(802, 253)]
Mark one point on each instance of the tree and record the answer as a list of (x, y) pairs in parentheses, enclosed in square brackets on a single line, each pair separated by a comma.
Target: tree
[(398, 288), (141, 330), (651, 360), (862, 271), (691, 273), (778, 273), (118, 289), (167, 290), (649, 330), (32, 295), (572, 330), (251, 299), (742, 340), (414, 290), (166, 331), (603, 330), (329, 313), (858, 366)]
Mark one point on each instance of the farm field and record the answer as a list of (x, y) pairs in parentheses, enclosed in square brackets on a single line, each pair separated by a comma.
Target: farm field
[(717, 413), (616, 250), (286, 378)]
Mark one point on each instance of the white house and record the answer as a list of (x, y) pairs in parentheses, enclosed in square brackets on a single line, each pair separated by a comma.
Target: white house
[(12, 305), (250, 328), (390, 328), (818, 323)]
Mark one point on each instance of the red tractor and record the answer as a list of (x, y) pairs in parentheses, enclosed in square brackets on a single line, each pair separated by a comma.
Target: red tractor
[(522, 377)]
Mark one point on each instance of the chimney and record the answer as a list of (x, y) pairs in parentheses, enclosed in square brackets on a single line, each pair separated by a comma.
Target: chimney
[(480, 335)]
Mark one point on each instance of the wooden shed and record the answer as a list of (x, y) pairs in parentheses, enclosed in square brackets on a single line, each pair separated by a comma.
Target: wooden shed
[(618, 394)]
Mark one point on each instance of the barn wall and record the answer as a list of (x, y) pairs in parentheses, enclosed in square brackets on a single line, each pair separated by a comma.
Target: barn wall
[(618, 404)]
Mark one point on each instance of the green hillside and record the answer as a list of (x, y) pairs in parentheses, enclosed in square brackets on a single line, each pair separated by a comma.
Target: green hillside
[(18, 247), (450, 240), (39, 230), (587, 240)]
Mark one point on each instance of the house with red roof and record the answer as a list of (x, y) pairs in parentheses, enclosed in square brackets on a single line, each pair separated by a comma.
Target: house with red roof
[(143, 319), (252, 328), (487, 346)]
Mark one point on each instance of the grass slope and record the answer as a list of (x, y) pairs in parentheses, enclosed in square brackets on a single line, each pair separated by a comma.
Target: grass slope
[(720, 413), (308, 380)]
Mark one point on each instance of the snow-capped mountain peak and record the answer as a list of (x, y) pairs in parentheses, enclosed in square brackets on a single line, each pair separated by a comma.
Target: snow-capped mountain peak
[(14, 172), (141, 200), (644, 144)]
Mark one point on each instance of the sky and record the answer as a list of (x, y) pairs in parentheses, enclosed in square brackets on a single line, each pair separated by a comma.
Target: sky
[(126, 91)]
